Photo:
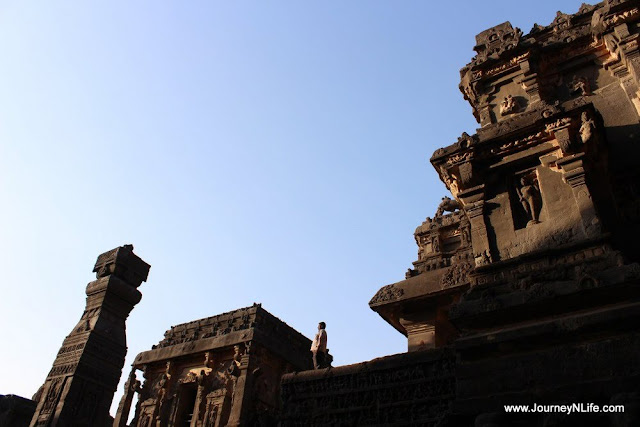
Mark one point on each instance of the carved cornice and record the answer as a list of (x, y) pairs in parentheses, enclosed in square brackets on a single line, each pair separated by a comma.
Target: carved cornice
[(459, 165), (249, 319), (385, 294), (533, 59)]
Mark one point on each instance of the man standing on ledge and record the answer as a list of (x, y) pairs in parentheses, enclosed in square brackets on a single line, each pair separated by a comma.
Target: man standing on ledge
[(319, 347)]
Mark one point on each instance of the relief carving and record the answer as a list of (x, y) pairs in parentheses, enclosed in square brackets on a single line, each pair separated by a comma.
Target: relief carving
[(482, 258), (529, 197), (435, 242), (387, 293), (407, 385), (465, 140), (423, 249), (580, 84), (508, 106), (456, 275), (447, 205), (587, 128), (492, 43)]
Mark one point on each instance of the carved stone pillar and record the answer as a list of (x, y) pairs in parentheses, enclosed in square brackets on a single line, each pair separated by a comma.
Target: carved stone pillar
[(130, 388), (242, 394), (473, 202), (565, 138), (574, 175), (421, 334), (199, 408), (80, 386)]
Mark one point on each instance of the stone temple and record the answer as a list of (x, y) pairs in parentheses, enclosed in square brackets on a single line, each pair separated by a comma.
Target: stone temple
[(526, 288)]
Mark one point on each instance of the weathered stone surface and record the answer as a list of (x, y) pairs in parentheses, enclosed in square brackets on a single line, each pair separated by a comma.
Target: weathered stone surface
[(526, 288), (534, 277), (79, 388), (221, 370), (417, 306), (16, 411), (404, 389)]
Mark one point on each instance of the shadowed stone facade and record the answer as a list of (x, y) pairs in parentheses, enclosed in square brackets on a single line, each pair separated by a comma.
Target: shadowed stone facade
[(217, 371), (15, 411), (527, 284), (526, 288)]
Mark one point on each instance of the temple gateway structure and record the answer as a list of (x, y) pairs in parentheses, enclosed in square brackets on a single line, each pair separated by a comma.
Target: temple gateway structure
[(526, 288)]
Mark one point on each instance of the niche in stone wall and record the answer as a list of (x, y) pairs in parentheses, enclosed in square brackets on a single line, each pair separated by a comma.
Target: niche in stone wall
[(186, 404), (507, 99), (451, 240)]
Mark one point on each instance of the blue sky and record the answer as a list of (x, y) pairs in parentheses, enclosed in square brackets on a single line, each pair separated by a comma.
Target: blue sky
[(251, 151)]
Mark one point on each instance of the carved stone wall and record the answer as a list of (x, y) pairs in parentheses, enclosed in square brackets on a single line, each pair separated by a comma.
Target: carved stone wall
[(217, 371), (418, 306), (526, 288), (405, 389), (546, 291)]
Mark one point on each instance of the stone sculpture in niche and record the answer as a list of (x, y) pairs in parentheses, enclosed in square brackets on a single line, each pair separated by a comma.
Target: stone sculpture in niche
[(586, 128), (529, 196), (508, 106), (422, 247)]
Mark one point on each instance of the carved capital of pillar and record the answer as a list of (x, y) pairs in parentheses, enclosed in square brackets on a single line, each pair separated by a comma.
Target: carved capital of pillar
[(565, 139)]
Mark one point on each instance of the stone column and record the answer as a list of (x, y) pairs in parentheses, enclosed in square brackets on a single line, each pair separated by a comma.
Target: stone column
[(473, 203), (130, 388), (421, 335), (80, 386), (199, 407), (243, 392)]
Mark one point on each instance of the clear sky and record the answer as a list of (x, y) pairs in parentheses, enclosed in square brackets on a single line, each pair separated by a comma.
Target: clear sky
[(251, 151)]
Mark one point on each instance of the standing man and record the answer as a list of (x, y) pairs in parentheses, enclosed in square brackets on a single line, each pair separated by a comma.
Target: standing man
[(319, 347)]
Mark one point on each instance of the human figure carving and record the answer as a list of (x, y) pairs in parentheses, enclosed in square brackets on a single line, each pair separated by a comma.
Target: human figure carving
[(587, 128), (436, 243), (529, 195), (465, 232), (163, 386), (319, 347), (447, 205), (508, 106), (237, 356), (208, 359)]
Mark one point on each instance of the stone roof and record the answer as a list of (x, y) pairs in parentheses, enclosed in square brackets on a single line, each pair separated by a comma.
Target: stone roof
[(252, 323)]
